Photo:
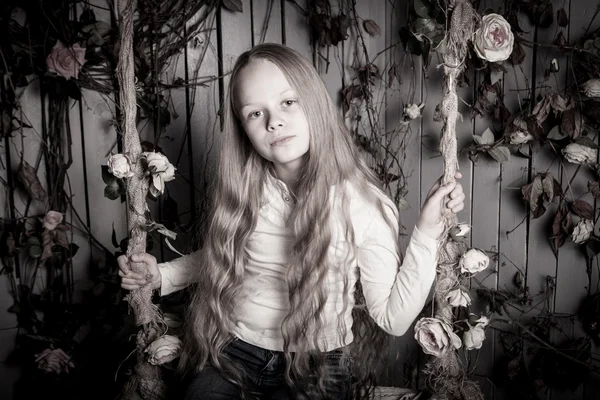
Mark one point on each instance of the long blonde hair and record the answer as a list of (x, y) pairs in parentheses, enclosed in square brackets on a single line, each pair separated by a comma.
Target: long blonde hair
[(332, 160)]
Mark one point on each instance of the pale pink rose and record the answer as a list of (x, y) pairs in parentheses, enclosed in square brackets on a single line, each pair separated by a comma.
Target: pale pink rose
[(164, 349), (494, 39), (52, 219), (54, 360), (436, 336), (66, 61)]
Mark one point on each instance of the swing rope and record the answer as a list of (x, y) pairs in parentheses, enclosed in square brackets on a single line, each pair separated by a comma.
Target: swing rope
[(146, 377), (446, 375)]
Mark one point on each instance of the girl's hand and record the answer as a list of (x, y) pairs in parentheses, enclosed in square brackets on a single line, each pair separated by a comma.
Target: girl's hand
[(131, 280), (430, 221)]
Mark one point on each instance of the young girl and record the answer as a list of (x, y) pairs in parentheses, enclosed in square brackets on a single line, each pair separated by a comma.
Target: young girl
[(299, 279)]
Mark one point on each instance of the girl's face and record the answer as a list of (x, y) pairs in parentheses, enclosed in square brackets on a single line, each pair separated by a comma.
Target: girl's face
[(272, 117)]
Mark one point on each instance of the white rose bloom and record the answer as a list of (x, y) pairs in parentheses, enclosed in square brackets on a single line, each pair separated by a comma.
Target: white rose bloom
[(474, 337), (579, 154), (436, 337), (458, 298), (494, 39), (412, 111), (520, 137), (164, 349), (583, 230), (119, 166), (473, 261), (591, 88), (161, 169)]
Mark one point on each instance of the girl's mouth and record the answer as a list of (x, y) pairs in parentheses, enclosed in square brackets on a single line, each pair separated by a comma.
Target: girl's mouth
[(281, 141)]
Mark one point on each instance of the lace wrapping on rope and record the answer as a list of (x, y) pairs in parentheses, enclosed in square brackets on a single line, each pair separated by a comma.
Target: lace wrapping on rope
[(147, 377), (446, 374)]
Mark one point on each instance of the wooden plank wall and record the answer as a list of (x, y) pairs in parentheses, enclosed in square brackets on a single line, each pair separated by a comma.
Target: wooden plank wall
[(493, 206)]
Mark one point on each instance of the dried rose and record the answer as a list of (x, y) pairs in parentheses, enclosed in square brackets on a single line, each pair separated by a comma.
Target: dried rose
[(163, 350), (435, 336), (161, 169), (579, 154), (494, 39), (474, 337), (66, 61), (54, 360), (520, 137), (583, 230), (119, 166), (473, 261), (52, 219), (591, 88), (458, 298), (412, 111)]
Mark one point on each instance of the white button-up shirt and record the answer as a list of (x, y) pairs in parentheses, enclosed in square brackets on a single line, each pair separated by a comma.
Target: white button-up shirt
[(394, 294)]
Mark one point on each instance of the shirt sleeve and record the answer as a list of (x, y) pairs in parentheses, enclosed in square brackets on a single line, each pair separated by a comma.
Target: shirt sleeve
[(176, 274), (395, 296)]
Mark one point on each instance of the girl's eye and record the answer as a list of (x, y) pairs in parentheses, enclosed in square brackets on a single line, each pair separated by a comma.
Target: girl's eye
[(255, 114), (288, 103)]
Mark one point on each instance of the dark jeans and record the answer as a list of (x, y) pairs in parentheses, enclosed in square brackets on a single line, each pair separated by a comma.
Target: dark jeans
[(264, 373)]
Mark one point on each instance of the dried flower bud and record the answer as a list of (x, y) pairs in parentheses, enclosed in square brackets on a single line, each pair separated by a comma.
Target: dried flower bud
[(163, 350), (591, 88), (579, 154), (520, 137), (52, 219), (583, 231), (473, 261)]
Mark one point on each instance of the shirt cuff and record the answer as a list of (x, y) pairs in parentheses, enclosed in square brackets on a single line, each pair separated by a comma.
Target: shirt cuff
[(425, 239)]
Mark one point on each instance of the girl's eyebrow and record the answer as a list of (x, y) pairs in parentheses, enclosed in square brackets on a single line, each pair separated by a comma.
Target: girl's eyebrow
[(281, 93)]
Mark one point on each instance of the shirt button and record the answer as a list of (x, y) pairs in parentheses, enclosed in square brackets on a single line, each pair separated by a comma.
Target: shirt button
[(286, 199)]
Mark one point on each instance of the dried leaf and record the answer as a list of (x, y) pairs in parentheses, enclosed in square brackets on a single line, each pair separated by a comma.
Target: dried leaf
[(394, 73), (561, 18), (350, 93), (542, 109), (500, 154), (582, 209), (594, 188), (421, 9), (571, 123), (533, 196), (372, 28), (28, 176), (233, 5), (518, 54), (556, 134), (548, 186), (559, 233), (559, 103), (48, 242), (560, 41), (592, 110)]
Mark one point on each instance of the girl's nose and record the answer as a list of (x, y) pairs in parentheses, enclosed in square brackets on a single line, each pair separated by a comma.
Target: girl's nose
[(275, 122)]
